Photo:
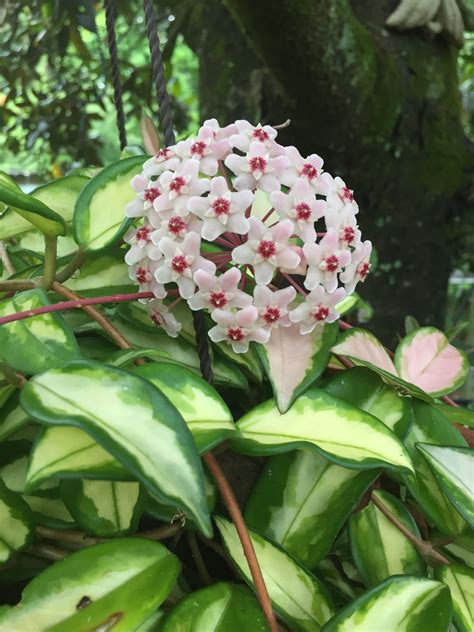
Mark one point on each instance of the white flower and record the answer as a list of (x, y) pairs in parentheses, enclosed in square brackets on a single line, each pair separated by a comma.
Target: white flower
[(257, 169), (174, 226), (344, 223), (247, 134), (179, 186), (266, 249), (273, 306), (143, 273), (165, 159), (218, 292), (162, 317), (301, 206), (359, 267), (325, 260), (310, 169), (340, 196), (147, 191), (141, 244), (220, 132), (238, 329), (205, 149), (222, 211), (180, 262), (317, 309)]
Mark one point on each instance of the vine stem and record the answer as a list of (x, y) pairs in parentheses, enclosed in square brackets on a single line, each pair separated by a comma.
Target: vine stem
[(75, 263), (50, 252), (247, 546), (5, 259), (425, 548), (198, 559)]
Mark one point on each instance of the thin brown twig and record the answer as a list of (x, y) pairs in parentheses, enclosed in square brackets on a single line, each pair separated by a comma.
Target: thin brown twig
[(426, 548), (5, 259), (48, 552), (198, 559), (160, 533), (74, 265)]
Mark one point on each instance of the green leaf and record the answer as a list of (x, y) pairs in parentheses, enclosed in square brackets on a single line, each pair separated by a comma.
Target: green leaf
[(389, 553), (110, 189), (399, 604), (454, 471), (12, 417), (104, 508), (221, 607), (301, 501), (36, 212), (460, 580), (300, 599), (293, 362), (105, 274), (462, 548), (364, 389), (201, 406), (330, 573), (49, 511), (35, 344), (115, 585), (16, 523), (132, 420), (69, 452), (429, 426), (456, 414), (344, 434)]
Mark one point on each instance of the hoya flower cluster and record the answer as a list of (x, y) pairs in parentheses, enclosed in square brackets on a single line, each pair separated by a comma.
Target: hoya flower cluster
[(247, 229)]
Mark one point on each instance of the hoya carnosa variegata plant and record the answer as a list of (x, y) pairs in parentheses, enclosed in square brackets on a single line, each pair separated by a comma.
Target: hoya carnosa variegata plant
[(247, 229)]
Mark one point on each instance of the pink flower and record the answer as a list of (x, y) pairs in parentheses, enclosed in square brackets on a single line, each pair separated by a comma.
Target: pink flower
[(325, 260), (162, 317), (220, 132), (205, 149), (180, 262), (141, 244), (267, 249), (147, 192), (174, 226), (247, 134), (179, 186), (273, 306), (222, 211), (318, 308), (165, 159), (301, 206), (218, 292), (257, 169), (344, 223), (310, 169), (143, 273), (359, 267), (340, 196), (238, 329)]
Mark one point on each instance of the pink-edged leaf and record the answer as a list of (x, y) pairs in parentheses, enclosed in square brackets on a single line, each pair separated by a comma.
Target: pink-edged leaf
[(359, 344), (293, 362), (425, 358), (149, 134)]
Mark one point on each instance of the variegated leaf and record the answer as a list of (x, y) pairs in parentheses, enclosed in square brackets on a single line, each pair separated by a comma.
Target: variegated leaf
[(462, 548), (298, 596), (460, 580), (16, 523), (12, 417)]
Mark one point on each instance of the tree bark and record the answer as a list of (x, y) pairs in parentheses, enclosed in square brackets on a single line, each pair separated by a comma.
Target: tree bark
[(381, 107)]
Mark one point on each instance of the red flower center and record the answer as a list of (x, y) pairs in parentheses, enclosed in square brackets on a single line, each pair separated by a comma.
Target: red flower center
[(179, 263), (162, 154), (332, 263), (303, 212), (218, 299), (235, 333), (308, 171), (177, 184), (266, 248), (221, 206), (198, 148), (258, 163), (363, 269), (176, 225), (260, 134), (156, 318), (271, 315), (143, 233), (151, 194), (348, 234), (142, 275), (321, 313), (346, 195)]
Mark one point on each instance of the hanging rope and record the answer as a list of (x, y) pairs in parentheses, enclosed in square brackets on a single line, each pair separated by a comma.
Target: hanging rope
[(199, 321), (114, 64)]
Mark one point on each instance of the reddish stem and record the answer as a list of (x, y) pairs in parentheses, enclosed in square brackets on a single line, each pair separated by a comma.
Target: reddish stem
[(224, 242), (297, 287), (267, 215), (226, 175)]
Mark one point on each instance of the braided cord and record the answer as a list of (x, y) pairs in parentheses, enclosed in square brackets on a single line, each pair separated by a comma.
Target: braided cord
[(114, 64)]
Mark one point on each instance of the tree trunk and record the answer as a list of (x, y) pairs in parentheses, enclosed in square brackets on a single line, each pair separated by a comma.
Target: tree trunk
[(381, 107)]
